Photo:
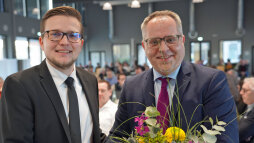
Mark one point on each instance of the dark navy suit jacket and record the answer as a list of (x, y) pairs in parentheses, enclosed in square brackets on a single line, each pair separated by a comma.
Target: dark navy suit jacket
[(246, 127), (197, 85)]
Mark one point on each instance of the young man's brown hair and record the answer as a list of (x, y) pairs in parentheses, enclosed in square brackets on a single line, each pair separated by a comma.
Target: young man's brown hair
[(62, 10)]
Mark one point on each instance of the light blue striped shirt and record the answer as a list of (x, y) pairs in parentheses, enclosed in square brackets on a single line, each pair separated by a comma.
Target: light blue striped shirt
[(171, 86)]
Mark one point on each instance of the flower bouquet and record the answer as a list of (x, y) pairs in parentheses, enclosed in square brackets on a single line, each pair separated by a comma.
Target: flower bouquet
[(150, 131)]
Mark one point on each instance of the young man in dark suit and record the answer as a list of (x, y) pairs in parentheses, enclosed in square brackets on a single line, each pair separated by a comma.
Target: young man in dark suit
[(163, 42), (54, 102)]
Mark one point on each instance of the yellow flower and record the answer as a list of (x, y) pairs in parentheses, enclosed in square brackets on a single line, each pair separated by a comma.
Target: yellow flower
[(174, 134), (141, 140)]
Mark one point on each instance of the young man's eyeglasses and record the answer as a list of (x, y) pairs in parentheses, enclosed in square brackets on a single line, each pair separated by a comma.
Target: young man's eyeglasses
[(170, 40), (57, 36)]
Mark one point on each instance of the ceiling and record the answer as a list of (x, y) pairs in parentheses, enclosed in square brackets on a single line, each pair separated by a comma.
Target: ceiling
[(113, 2)]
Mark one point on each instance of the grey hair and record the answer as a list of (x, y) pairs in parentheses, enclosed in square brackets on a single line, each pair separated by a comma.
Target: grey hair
[(250, 82), (168, 13)]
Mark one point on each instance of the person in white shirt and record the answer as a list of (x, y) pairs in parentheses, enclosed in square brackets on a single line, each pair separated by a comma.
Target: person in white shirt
[(107, 107)]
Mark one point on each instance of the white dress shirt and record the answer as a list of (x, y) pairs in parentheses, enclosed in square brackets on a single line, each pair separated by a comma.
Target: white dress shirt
[(107, 116), (86, 123)]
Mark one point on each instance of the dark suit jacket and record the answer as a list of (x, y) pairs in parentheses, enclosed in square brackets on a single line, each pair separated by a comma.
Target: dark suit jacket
[(246, 128), (196, 84), (33, 112)]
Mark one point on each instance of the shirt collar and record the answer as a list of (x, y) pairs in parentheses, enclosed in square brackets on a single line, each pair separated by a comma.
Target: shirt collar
[(108, 104), (250, 107), (58, 76), (173, 75)]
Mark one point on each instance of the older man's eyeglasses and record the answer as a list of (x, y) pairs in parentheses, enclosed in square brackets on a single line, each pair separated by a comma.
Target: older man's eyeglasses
[(57, 36), (170, 40), (245, 90)]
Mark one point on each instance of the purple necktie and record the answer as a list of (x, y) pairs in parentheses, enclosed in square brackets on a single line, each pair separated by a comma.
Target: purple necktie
[(163, 104)]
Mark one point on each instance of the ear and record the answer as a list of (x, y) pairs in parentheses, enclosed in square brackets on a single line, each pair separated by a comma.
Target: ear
[(183, 38), (41, 43), (111, 91), (143, 45), (82, 42)]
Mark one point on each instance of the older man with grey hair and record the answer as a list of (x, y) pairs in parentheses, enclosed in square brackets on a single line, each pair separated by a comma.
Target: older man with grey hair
[(246, 123)]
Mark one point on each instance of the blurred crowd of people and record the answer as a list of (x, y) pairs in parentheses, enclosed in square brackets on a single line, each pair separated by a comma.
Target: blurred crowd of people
[(115, 74), (110, 82)]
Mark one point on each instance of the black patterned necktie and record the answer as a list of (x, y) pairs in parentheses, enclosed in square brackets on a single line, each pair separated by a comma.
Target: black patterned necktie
[(74, 122)]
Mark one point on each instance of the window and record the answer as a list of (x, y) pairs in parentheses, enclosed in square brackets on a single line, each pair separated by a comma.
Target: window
[(34, 52), (1, 5), (72, 4), (2, 45), (142, 59), (230, 49), (20, 7), (45, 6), (98, 57), (200, 51), (121, 53), (33, 8), (21, 48)]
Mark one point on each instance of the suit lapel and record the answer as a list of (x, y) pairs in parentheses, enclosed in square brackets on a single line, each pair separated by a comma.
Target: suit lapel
[(84, 82), (51, 90), (83, 78), (183, 79), (148, 90)]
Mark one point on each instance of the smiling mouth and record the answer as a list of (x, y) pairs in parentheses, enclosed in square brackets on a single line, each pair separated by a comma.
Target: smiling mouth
[(165, 57), (63, 51)]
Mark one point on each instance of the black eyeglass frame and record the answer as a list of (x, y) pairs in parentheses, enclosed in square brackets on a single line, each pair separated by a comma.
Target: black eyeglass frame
[(81, 36)]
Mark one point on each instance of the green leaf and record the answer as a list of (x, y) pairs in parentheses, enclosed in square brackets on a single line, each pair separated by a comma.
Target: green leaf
[(193, 138), (204, 128), (131, 140), (218, 128), (221, 123), (211, 120), (209, 138), (151, 121), (151, 112), (210, 132), (153, 131)]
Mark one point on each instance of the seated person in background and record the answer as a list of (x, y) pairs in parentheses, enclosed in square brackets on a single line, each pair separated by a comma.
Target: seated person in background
[(228, 65), (1, 85), (221, 65), (119, 85), (246, 122), (111, 78), (241, 106), (139, 69), (243, 68), (232, 82), (107, 107)]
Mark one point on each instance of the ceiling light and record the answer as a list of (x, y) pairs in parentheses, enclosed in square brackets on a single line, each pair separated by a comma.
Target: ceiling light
[(197, 1), (107, 6), (200, 38), (135, 4)]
